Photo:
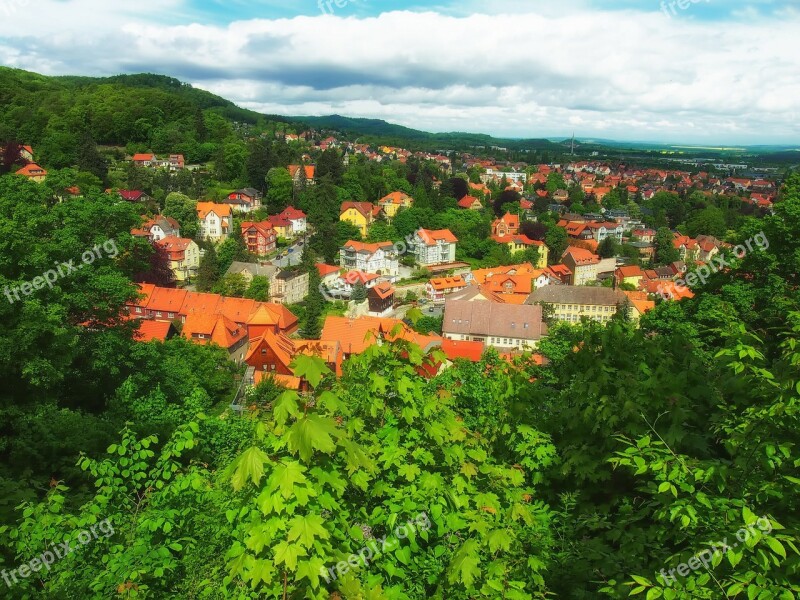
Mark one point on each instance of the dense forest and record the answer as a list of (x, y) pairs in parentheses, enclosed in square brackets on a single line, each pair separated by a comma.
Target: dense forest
[(658, 461)]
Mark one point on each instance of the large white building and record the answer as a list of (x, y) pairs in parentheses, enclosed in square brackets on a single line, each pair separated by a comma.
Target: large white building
[(434, 247), (379, 258)]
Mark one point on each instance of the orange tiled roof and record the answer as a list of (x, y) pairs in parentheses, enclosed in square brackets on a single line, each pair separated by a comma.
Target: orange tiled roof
[(221, 210), (431, 237)]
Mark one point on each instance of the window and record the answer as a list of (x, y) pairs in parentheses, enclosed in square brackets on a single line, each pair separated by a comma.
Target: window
[(139, 309), (526, 326), (263, 351), (158, 314)]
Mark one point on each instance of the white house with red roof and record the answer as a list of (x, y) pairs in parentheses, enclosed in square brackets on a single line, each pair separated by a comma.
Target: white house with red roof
[(215, 220), (379, 258), (297, 220), (434, 247)]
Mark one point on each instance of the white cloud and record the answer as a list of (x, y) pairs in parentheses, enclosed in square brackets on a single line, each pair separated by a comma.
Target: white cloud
[(624, 74)]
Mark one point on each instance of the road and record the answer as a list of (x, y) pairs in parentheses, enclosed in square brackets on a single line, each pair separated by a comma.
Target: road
[(291, 259)]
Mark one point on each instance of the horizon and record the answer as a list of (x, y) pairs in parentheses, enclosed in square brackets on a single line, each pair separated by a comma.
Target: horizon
[(609, 69)]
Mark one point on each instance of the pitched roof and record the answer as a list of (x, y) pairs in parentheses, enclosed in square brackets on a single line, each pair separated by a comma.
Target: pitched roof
[(356, 335), (362, 247), (325, 270), (431, 237), (396, 198), (572, 294), (166, 300), (630, 271), (216, 328), (581, 256), (447, 283), (494, 319), (32, 170), (383, 290), (221, 210), (176, 247), (367, 209), (152, 330), (468, 202), (454, 349)]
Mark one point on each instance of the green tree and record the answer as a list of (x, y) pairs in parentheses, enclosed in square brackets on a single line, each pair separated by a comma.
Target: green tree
[(258, 289), (209, 272)]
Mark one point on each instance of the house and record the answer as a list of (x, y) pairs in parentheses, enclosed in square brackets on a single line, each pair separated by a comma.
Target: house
[(343, 285), (379, 258), (507, 225), (218, 329), (184, 256), (176, 162), (290, 287), (282, 227), (645, 235), (308, 172), (360, 214), (260, 238), (601, 231), (33, 172), (158, 228), (470, 203), (559, 274), (482, 189), (272, 355), (571, 303), (244, 200), (145, 160), (134, 196), (520, 243), (392, 203), (639, 304), (582, 263), (328, 274), (251, 270), (150, 331), (437, 288), (26, 153), (356, 335), (215, 220), (298, 222), (168, 304), (631, 274), (380, 299), (433, 247), (561, 196), (501, 326)]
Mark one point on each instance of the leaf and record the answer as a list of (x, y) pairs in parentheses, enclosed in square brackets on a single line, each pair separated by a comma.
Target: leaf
[(250, 465), (305, 529), (469, 470), (312, 368), (410, 472), (310, 433), (285, 476), (286, 553), (310, 569), (776, 546), (465, 564), (285, 406), (499, 538)]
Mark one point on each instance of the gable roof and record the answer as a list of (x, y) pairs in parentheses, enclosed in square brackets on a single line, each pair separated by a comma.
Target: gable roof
[(572, 294), (432, 237), (204, 208), (494, 320)]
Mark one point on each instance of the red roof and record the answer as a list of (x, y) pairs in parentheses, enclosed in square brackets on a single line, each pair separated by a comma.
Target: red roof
[(325, 270), (152, 330), (472, 351)]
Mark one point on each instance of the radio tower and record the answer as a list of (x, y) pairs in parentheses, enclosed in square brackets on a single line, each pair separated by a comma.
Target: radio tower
[(573, 143)]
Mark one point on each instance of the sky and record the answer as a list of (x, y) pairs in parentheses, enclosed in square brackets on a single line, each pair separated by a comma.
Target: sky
[(677, 71)]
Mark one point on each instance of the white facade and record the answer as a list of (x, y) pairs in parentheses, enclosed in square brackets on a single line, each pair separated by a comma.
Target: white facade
[(368, 258)]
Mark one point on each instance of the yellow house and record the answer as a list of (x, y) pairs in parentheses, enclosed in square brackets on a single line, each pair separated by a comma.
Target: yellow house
[(520, 243), (392, 203), (360, 214), (33, 172), (631, 274)]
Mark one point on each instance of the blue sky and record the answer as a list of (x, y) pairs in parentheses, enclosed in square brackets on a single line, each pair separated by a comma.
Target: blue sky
[(705, 71)]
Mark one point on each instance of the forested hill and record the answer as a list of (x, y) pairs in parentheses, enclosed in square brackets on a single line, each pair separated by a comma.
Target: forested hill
[(167, 115)]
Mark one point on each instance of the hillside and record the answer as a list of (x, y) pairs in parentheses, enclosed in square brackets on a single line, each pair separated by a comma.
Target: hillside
[(167, 115)]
